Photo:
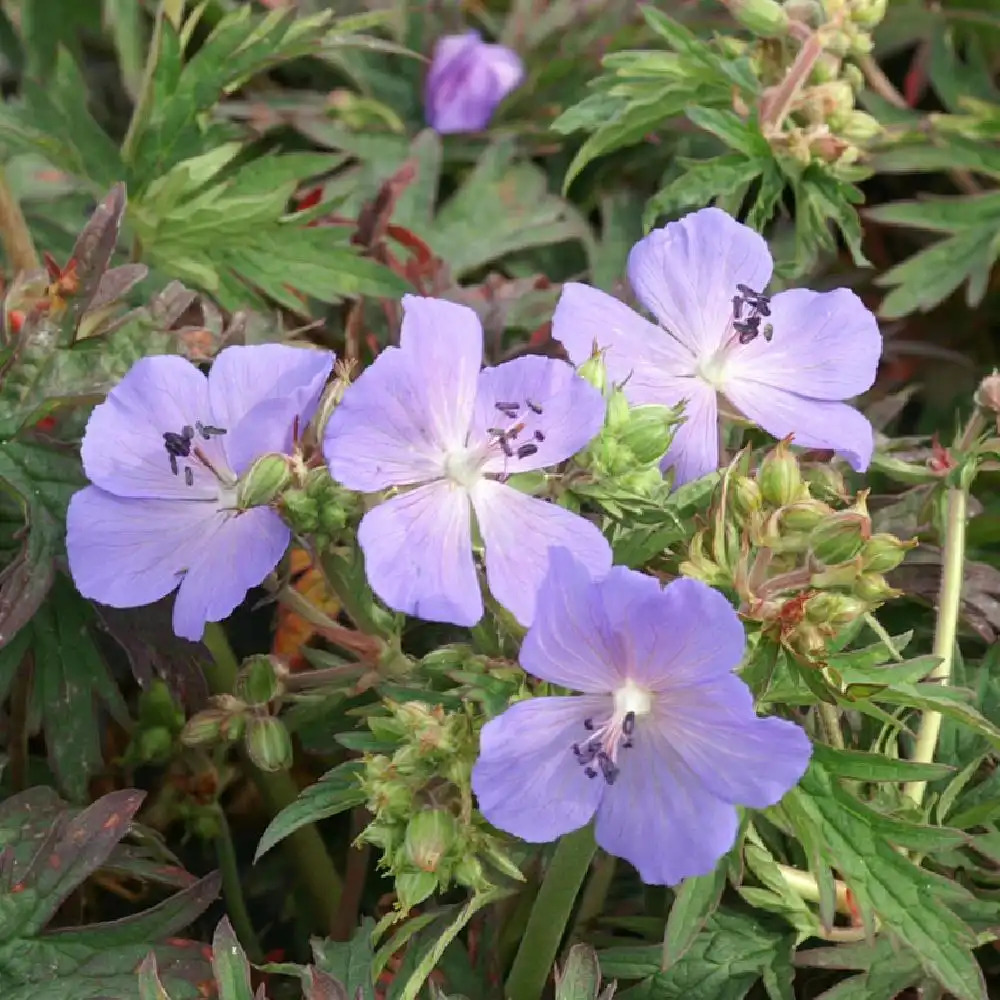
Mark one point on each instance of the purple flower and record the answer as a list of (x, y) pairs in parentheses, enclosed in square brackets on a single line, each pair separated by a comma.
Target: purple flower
[(466, 82), (424, 416), (662, 745), (163, 453), (785, 362)]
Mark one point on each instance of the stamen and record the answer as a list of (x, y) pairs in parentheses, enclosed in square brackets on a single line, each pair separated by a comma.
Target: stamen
[(609, 771), (188, 475), (590, 772), (759, 306), (515, 430), (628, 723), (173, 462), (588, 724), (505, 446), (534, 407), (737, 306), (539, 436), (207, 430), (527, 450)]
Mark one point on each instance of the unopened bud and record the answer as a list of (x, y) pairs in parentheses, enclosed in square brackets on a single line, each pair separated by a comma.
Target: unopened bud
[(873, 589), (301, 511), (778, 477), (263, 482), (825, 481), (595, 371), (988, 395), (429, 836), (619, 415), (257, 682), (859, 127), (868, 13), (801, 517), (469, 872), (831, 608), (413, 888), (204, 729), (745, 497), (839, 537), (649, 431), (153, 746), (884, 552), (765, 18), (268, 743), (835, 98), (807, 12), (827, 66)]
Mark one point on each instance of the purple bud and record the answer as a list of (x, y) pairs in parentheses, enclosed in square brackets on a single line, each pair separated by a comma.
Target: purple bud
[(466, 82)]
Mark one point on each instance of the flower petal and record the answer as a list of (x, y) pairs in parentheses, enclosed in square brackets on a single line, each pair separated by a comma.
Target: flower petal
[(237, 555), (686, 275), (660, 817), (579, 638), (739, 757), (825, 345), (694, 451), (634, 349), (683, 635), (123, 447), (814, 423), (418, 554), (126, 552), (519, 532), (552, 401), (412, 405), (243, 378), (466, 82), (527, 780)]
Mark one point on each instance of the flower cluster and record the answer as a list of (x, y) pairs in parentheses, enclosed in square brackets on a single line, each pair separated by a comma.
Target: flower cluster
[(198, 482)]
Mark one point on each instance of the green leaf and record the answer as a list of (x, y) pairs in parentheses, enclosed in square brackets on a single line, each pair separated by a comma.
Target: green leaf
[(695, 902), (337, 791), (230, 965), (701, 183), (350, 962), (911, 902), (862, 766)]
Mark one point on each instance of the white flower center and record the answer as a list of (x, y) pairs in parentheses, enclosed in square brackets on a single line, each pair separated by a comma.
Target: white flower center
[(713, 370), (598, 754), (463, 466)]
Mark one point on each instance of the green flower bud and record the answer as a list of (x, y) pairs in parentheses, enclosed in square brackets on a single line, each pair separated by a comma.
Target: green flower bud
[(873, 589), (861, 43), (300, 511), (204, 729), (618, 410), (765, 18), (884, 552), (262, 483), (810, 12), (833, 609), (154, 746), (839, 537), (158, 708), (268, 743), (744, 497), (859, 127), (855, 76), (469, 872), (205, 824), (258, 682), (808, 642), (778, 477), (500, 860), (413, 888), (649, 431), (801, 517), (595, 371), (835, 97), (825, 481), (828, 66), (868, 13), (429, 837)]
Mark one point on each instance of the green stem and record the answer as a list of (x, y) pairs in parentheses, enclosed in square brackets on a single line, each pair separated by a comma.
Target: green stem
[(949, 605), (829, 723), (232, 888), (550, 915), (305, 848)]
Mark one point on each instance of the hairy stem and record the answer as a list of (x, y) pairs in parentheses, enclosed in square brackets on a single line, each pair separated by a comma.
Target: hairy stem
[(232, 889), (829, 723), (949, 604), (550, 915), (319, 882), (17, 240), (804, 885)]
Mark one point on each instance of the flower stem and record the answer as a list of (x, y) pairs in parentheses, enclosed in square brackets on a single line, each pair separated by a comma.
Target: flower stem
[(949, 604), (305, 848), (17, 241), (829, 723), (550, 915), (232, 888)]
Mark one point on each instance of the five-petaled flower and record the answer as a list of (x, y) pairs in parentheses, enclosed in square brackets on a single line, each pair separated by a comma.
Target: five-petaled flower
[(662, 744), (468, 78), (786, 362), (424, 417), (163, 453)]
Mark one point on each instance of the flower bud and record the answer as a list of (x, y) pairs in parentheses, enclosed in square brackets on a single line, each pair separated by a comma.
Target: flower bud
[(988, 395), (649, 431), (801, 517), (594, 370), (825, 481), (300, 511), (827, 66), (779, 477), (868, 13), (204, 729), (835, 97), (154, 746), (619, 414), (429, 836), (884, 552), (744, 497), (831, 608), (257, 682), (861, 43), (469, 872), (808, 642), (268, 743), (765, 18), (873, 589), (466, 82), (807, 12), (839, 537), (413, 888), (859, 127), (263, 482)]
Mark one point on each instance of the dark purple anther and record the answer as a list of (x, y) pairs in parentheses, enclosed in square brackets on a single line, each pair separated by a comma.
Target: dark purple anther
[(527, 450), (539, 436), (534, 407), (188, 475)]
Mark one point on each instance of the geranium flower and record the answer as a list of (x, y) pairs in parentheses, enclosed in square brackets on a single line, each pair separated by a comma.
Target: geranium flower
[(163, 453), (424, 416), (786, 362), (467, 80), (662, 745)]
